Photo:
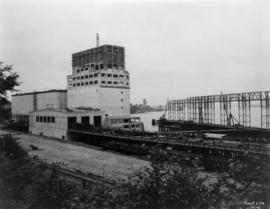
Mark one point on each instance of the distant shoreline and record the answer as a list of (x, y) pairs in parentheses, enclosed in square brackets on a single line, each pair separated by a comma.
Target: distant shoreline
[(147, 112)]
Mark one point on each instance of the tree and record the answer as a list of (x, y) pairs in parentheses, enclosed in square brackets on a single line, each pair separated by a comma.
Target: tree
[(8, 82)]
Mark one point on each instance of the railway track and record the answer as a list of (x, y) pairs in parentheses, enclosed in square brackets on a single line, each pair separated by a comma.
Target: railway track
[(184, 141), (169, 141), (77, 175), (93, 178)]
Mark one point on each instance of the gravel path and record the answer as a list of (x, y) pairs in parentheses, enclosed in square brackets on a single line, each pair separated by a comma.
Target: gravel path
[(111, 165)]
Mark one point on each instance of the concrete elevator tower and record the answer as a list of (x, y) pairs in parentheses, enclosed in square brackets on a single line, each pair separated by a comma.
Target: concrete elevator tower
[(99, 80)]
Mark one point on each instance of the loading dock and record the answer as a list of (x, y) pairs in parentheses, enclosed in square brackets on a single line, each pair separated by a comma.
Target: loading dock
[(86, 119), (97, 121), (71, 121)]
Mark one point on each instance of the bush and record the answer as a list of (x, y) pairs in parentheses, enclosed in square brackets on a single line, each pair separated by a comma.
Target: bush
[(25, 183), (169, 183), (10, 147)]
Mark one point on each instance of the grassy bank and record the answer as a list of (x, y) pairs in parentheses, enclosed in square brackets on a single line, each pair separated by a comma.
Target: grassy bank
[(167, 184)]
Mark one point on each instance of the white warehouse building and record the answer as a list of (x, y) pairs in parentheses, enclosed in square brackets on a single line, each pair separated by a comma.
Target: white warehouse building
[(57, 122), (23, 104)]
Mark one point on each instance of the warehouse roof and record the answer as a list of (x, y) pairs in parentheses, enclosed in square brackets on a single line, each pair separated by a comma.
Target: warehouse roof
[(41, 92), (66, 110)]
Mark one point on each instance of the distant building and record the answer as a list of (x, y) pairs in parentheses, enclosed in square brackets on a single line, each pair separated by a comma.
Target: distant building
[(144, 102), (99, 80), (24, 103)]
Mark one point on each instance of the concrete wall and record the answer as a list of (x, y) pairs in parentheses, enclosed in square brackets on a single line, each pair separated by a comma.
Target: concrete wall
[(115, 101), (51, 100), (110, 93), (58, 129), (83, 97), (22, 105)]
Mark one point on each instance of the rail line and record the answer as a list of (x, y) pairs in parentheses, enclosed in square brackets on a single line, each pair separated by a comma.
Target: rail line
[(78, 175), (86, 177), (174, 142)]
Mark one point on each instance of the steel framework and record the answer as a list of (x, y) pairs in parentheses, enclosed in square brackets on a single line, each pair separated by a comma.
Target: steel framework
[(203, 109)]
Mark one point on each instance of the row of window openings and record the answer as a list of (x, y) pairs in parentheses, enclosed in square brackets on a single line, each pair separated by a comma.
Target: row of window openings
[(102, 75), (102, 49), (45, 119), (96, 67), (132, 126), (96, 82)]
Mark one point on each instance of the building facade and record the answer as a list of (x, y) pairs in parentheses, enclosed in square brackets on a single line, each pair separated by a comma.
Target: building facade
[(99, 80), (98, 94), (24, 103), (56, 122)]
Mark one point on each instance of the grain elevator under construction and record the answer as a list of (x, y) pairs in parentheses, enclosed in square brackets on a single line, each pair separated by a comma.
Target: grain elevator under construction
[(95, 109), (97, 94)]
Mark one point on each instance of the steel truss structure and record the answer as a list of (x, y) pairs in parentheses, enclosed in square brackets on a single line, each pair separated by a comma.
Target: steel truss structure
[(203, 109)]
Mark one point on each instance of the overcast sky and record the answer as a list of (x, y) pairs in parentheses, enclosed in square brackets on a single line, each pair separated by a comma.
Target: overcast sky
[(174, 49)]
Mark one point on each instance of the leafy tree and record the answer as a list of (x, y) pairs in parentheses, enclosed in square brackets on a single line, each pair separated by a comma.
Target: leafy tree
[(8, 82)]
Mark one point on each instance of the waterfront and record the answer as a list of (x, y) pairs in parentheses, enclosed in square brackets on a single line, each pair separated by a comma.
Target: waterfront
[(147, 117)]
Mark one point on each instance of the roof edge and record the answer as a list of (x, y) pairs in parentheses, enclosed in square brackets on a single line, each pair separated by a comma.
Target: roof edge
[(41, 92)]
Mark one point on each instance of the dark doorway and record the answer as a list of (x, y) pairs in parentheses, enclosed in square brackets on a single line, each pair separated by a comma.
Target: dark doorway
[(85, 119), (97, 121), (71, 121)]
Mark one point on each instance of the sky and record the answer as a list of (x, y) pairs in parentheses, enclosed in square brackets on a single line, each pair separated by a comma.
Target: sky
[(174, 49)]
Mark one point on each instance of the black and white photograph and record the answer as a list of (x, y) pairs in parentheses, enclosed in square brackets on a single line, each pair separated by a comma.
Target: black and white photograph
[(134, 104)]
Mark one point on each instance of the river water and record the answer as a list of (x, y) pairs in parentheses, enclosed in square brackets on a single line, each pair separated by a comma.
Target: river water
[(147, 117)]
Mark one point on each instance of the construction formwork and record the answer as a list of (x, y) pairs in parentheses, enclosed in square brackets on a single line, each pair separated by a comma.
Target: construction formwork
[(176, 109), (101, 57), (217, 109)]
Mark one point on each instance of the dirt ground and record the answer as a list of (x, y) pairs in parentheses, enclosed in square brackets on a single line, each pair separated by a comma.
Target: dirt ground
[(109, 164)]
